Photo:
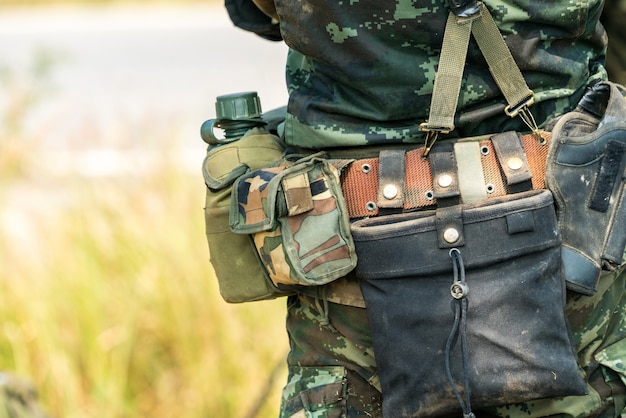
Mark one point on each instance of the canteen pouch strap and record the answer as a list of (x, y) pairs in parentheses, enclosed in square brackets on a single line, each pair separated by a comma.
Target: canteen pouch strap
[(240, 276), (509, 340), (297, 216), (586, 171)]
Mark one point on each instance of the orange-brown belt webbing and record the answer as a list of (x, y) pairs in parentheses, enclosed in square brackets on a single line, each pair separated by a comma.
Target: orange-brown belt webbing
[(360, 180)]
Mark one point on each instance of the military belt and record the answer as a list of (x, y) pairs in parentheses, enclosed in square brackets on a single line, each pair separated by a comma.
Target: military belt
[(460, 171)]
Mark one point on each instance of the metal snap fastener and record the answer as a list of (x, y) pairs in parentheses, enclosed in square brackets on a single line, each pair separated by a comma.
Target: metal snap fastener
[(515, 163), (444, 180), (370, 206), (366, 168), (390, 192), (451, 235)]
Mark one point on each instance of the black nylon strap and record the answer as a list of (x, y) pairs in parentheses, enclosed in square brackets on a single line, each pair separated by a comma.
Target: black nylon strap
[(391, 175), (512, 158), (445, 175)]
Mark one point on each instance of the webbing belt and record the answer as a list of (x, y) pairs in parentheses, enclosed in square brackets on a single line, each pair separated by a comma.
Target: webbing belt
[(478, 169)]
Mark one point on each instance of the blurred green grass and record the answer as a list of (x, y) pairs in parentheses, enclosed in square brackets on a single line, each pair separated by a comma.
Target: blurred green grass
[(108, 303)]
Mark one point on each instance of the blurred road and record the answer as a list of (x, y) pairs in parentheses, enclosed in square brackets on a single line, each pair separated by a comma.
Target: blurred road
[(122, 80), (138, 69)]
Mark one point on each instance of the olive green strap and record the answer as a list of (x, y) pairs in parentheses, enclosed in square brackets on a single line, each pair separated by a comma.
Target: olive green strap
[(501, 64), (449, 74)]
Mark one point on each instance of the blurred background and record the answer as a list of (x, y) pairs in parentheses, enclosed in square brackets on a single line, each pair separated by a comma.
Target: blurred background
[(108, 304)]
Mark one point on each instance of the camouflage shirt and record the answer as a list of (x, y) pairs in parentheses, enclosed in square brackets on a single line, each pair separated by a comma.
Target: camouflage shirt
[(361, 72)]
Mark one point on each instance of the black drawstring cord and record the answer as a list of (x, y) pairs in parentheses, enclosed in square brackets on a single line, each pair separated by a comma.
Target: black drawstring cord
[(459, 290)]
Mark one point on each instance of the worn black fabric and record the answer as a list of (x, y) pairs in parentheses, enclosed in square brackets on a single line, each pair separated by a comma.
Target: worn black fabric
[(586, 171), (510, 322)]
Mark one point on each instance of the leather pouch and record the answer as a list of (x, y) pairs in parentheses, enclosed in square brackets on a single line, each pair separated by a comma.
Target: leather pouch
[(586, 171)]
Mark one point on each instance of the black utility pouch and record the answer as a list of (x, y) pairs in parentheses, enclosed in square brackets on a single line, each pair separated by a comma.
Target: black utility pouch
[(466, 306), (586, 171)]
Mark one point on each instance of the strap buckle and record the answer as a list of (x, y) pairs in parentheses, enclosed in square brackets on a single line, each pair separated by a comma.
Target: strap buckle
[(432, 134), (513, 111), (522, 110)]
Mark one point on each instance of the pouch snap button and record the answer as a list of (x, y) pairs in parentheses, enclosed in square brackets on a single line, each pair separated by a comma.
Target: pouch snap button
[(390, 191), (444, 180), (515, 163), (451, 235)]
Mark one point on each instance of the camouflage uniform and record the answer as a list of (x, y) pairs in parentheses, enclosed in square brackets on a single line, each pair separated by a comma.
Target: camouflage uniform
[(361, 73)]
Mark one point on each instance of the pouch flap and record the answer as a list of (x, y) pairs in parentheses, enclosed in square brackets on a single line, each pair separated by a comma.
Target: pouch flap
[(498, 229), (253, 200), (262, 196)]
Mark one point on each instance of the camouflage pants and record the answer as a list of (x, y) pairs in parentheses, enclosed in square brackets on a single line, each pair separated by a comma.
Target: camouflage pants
[(332, 370)]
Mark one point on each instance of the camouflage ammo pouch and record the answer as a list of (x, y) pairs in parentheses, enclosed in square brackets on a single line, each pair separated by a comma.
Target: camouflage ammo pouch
[(466, 305), (299, 222), (240, 276), (586, 171)]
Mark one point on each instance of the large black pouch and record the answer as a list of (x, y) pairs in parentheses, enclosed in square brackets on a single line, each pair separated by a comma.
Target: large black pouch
[(586, 171), (466, 306)]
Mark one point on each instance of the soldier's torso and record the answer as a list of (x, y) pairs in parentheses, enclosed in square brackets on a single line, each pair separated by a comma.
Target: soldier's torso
[(361, 71)]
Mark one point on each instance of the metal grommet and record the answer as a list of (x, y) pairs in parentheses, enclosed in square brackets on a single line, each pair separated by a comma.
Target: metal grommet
[(429, 195), (366, 168), (444, 180), (490, 188), (451, 235), (459, 290), (370, 206), (484, 150), (390, 192), (542, 138)]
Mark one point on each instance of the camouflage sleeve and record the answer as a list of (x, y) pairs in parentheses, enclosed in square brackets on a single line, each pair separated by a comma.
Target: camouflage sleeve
[(254, 16), (268, 7)]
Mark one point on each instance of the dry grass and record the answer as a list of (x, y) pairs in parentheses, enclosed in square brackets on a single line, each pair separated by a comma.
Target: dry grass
[(108, 302)]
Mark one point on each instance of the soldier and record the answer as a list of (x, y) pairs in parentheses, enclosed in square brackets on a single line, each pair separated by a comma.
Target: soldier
[(361, 73)]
